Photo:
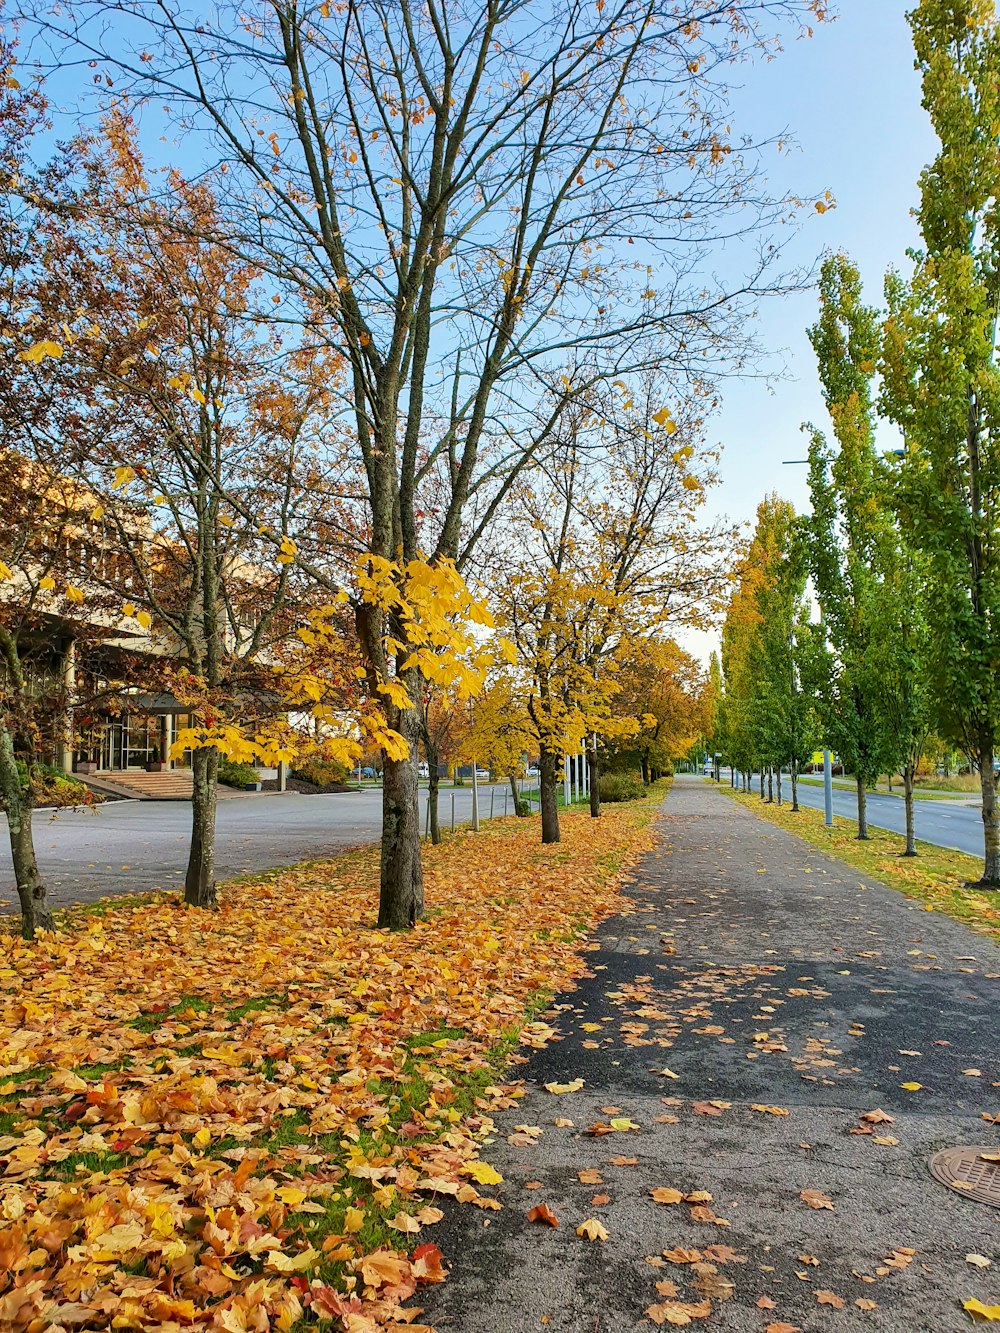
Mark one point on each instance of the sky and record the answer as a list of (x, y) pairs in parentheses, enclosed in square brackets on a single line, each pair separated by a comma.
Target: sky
[(851, 99)]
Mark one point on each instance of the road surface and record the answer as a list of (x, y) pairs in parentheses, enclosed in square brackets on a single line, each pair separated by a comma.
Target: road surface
[(787, 1037), (126, 846), (954, 824)]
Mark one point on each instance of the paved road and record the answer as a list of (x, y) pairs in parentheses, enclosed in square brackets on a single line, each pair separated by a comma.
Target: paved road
[(956, 824), (760, 999), (125, 846)]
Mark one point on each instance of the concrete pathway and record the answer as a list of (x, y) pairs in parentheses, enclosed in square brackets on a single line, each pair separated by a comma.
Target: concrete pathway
[(734, 1032)]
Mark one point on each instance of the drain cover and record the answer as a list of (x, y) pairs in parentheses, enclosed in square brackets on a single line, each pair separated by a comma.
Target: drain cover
[(963, 1170)]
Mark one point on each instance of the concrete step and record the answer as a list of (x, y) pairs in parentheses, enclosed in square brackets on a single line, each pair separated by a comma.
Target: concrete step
[(173, 785)]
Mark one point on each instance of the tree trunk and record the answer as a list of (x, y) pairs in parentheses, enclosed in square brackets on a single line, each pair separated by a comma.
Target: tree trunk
[(991, 833), (762, 783), (862, 809), (778, 782), (401, 891), (911, 842), (199, 882), (644, 765), (35, 911), (522, 808), (595, 778), (433, 785), (770, 786), (795, 786), (548, 764)]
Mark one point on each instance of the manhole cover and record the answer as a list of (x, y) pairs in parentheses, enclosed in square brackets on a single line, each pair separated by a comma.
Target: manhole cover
[(963, 1170)]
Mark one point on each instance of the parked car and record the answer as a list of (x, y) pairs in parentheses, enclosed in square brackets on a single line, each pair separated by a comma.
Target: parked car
[(423, 770)]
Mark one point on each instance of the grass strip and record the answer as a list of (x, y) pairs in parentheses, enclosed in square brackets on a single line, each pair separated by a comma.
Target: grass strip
[(245, 1118)]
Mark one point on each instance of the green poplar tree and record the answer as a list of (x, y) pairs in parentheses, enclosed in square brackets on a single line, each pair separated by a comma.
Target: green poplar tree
[(940, 382), (848, 533)]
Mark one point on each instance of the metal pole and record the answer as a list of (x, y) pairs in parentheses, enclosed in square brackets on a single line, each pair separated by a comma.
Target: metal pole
[(566, 795), (475, 799), (827, 789), (453, 812)]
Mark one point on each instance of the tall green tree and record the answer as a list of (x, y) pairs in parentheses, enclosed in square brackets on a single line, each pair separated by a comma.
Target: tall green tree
[(765, 714), (849, 530), (942, 387)]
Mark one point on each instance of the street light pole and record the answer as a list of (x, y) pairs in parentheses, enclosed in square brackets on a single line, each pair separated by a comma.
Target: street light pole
[(827, 789)]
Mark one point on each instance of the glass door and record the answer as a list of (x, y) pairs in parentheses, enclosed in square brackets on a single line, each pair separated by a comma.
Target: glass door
[(141, 736), (113, 744)]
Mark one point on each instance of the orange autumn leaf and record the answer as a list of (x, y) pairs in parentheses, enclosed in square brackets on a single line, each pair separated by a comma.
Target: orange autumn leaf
[(542, 1213)]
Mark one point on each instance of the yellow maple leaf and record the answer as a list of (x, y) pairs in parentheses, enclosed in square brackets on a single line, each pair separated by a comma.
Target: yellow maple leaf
[(988, 1313), (482, 1173), (592, 1230), (40, 351)]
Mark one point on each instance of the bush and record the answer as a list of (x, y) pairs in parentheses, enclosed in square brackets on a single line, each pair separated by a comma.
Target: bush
[(236, 775), (54, 787), (614, 787), (319, 771)]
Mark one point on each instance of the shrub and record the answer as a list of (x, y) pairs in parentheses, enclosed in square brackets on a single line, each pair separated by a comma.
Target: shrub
[(54, 787), (614, 787), (236, 775), (319, 771)]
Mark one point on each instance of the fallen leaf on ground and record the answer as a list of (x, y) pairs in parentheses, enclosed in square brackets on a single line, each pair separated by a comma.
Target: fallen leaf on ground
[(482, 1173), (678, 1314), (623, 1161), (978, 1260), (592, 1230), (782, 1328), (989, 1313), (830, 1298), (664, 1194), (769, 1110), (542, 1213), (678, 1255), (560, 1088), (590, 1176), (864, 1303), (815, 1199), (765, 1303), (878, 1117), (911, 1087)]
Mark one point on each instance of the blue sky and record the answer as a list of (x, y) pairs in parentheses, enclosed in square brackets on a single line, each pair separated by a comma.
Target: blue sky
[(851, 98)]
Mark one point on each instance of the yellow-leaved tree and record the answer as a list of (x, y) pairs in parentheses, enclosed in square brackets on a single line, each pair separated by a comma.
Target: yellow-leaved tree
[(603, 547)]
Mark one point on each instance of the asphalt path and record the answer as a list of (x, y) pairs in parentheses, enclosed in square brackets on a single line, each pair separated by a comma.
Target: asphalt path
[(734, 1029), (129, 846), (956, 824)]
